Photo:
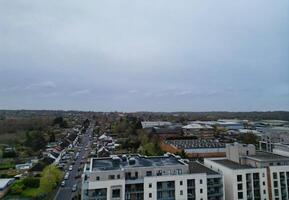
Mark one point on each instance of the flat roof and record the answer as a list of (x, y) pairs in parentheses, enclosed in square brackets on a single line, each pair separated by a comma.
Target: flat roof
[(123, 162), (267, 157), (232, 165), (196, 168)]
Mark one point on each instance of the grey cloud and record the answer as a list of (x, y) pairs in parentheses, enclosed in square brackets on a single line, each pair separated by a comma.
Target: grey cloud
[(144, 55)]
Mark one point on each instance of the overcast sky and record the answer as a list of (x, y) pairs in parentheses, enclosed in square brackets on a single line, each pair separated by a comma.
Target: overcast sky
[(144, 55)]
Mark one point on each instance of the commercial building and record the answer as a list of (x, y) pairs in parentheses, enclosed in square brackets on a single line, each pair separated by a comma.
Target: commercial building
[(139, 177), (198, 147)]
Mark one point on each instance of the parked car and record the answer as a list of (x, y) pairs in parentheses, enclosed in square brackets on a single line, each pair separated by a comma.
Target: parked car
[(66, 176), (74, 188), (70, 168), (62, 183)]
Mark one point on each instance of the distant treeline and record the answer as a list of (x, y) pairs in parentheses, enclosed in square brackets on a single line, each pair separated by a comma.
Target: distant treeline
[(171, 116)]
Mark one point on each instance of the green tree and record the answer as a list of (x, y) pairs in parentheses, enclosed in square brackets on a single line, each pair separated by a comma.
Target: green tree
[(50, 178), (249, 138), (35, 140), (17, 187)]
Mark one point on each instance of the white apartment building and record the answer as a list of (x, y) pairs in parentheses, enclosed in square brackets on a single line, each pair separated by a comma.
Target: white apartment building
[(241, 182), (265, 175), (279, 182), (139, 177)]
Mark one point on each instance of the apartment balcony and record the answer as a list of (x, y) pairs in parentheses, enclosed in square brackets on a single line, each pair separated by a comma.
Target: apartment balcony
[(134, 191), (215, 194), (215, 184)]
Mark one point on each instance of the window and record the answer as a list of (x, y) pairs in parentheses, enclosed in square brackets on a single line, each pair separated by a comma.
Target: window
[(150, 185), (97, 178), (136, 174), (275, 175), (118, 176), (239, 178), (111, 177), (240, 195), (275, 184), (263, 174), (181, 182), (264, 191), (116, 193), (240, 186), (159, 173), (201, 181), (150, 195), (276, 192), (179, 171), (149, 173), (181, 192), (263, 182), (201, 191)]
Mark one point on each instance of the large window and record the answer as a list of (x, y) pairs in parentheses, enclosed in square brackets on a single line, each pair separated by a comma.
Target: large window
[(239, 178), (240, 195), (149, 173), (116, 193)]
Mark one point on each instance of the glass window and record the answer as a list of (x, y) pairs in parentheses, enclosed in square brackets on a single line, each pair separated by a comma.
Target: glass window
[(149, 173), (275, 183), (201, 181), (240, 195), (150, 185), (240, 186), (181, 192), (181, 182), (150, 195), (239, 177), (116, 193)]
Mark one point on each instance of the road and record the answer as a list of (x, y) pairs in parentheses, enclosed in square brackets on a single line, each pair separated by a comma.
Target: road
[(65, 193)]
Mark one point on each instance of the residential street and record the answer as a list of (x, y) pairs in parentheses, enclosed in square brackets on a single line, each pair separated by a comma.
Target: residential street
[(66, 191)]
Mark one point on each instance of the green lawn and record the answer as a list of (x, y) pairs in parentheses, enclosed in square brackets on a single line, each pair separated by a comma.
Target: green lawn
[(31, 192), (6, 165)]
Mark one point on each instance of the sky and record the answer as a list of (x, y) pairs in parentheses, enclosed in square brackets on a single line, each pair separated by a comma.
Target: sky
[(144, 55)]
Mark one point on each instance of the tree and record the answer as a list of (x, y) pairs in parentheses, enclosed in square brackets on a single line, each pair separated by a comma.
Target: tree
[(51, 137), (249, 138), (17, 187), (35, 140), (61, 122), (51, 176)]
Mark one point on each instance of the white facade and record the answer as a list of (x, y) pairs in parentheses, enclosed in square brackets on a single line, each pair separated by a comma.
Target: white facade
[(279, 178), (240, 183), (142, 181)]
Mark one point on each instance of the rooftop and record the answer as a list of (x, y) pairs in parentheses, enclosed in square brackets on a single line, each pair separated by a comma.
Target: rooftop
[(266, 157), (196, 168), (4, 182), (126, 162), (232, 165)]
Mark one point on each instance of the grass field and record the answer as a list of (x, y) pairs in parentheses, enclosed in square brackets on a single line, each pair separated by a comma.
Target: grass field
[(6, 165)]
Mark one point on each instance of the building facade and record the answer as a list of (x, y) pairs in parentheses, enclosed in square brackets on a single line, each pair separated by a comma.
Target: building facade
[(138, 177)]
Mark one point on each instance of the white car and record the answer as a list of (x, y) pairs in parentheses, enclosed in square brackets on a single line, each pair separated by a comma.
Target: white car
[(70, 168), (66, 176), (62, 183), (74, 188)]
